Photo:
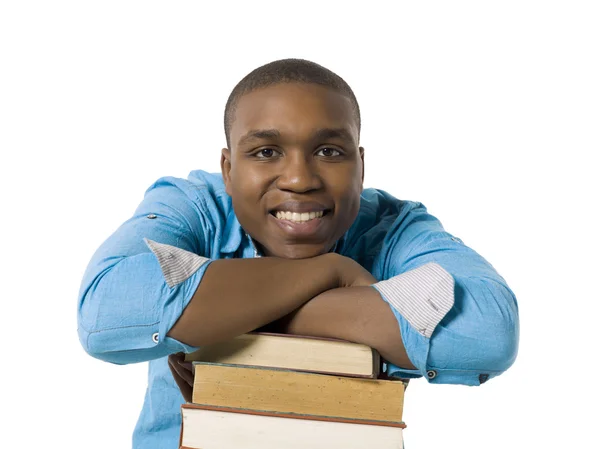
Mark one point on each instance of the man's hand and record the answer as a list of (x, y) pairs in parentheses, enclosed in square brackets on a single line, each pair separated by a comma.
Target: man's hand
[(347, 272), (350, 273), (183, 373)]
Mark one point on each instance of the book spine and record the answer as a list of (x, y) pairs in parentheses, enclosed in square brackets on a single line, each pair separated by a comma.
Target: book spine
[(376, 364)]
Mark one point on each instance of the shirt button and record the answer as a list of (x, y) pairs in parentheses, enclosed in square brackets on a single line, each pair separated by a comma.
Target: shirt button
[(151, 216), (431, 374), (155, 337)]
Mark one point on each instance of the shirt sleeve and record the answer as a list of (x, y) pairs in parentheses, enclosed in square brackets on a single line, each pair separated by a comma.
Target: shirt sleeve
[(457, 316), (142, 277)]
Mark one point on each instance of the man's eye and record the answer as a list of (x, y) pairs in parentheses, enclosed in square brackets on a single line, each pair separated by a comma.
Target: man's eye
[(328, 152), (265, 153)]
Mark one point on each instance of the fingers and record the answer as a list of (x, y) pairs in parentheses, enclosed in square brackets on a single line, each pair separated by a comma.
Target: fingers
[(183, 373)]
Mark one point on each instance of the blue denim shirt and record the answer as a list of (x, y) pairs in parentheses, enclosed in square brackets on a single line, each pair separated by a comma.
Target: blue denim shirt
[(126, 307)]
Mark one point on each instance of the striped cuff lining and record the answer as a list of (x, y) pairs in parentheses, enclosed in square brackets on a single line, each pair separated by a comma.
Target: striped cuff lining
[(176, 264), (423, 296)]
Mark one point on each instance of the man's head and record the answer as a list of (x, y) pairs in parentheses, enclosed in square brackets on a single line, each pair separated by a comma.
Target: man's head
[(293, 166)]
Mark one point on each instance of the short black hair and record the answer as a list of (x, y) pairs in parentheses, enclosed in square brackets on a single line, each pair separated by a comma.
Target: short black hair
[(286, 71)]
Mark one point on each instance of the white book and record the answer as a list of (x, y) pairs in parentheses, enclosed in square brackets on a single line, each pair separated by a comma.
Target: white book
[(204, 428)]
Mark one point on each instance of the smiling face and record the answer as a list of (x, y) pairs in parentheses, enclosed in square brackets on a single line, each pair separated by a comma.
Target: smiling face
[(294, 170)]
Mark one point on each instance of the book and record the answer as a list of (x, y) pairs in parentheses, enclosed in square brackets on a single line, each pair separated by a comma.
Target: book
[(298, 393), (295, 352), (266, 390), (205, 427)]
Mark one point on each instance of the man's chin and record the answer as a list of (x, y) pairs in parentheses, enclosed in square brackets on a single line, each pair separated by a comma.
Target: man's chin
[(297, 251)]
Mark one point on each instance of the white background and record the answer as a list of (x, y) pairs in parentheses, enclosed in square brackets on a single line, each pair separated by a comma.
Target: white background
[(487, 112)]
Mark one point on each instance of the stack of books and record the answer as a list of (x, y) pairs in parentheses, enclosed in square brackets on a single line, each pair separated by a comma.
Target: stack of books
[(265, 390)]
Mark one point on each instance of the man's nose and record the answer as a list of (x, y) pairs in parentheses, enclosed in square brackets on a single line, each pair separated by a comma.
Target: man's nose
[(299, 174)]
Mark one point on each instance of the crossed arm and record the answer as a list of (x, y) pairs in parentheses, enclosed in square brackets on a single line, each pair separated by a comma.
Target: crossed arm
[(337, 302), (127, 313), (355, 314)]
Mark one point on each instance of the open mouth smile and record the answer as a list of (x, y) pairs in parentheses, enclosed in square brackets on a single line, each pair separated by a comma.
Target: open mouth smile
[(299, 224), (297, 217)]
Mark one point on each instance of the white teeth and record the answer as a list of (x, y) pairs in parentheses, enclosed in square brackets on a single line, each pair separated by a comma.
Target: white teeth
[(295, 216)]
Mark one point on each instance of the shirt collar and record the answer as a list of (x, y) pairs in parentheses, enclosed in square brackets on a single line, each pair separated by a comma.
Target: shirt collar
[(232, 236)]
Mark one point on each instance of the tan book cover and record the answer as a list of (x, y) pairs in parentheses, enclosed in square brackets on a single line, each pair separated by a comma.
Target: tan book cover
[(286, 391), (295, 352)]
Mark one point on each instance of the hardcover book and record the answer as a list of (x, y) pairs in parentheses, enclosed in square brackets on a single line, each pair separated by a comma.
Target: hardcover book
[(295, 352), (217, 428)]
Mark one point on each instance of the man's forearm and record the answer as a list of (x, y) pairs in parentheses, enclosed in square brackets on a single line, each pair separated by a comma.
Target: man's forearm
[(355, 314), (236, 296)]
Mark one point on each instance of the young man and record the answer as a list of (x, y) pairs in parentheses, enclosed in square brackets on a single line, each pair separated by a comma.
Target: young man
[(287, 236)]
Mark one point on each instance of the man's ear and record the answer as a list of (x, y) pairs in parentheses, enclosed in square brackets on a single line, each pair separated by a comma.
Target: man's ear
[(226, 169), (362, 158)]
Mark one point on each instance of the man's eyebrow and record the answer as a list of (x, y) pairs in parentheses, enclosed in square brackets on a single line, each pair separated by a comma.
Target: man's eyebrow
[(333, 133), (256, 134), (320, 134)]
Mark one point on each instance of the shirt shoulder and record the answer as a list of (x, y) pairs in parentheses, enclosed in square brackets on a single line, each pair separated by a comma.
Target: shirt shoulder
[(382, 203), (378, 209), (203, 194), (379, 218), (212, 183)]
